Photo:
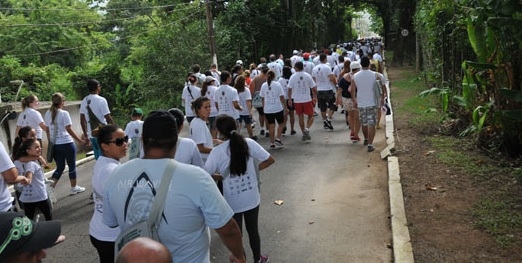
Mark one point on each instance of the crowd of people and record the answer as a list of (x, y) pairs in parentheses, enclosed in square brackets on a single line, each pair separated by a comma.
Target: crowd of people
[(215, 183)]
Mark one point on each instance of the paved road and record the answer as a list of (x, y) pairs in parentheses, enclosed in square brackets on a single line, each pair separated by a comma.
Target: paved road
[(335, 206)]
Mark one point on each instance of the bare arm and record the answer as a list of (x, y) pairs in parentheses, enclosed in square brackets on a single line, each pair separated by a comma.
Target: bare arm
[(237, 106), (109, 119), (71, 132), (264, 164), (83, 123), (11, 176), (231, 237), (203, 149)]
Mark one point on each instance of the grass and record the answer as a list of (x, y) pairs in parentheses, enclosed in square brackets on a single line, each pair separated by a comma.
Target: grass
[(499, 210)]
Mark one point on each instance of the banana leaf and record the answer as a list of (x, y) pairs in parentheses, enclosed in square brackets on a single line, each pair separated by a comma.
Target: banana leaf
[(515, 95)]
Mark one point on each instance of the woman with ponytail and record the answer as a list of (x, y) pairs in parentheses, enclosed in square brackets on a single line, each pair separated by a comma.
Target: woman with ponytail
[(235, 160), (62, 135), (190, 93), (30, 116)]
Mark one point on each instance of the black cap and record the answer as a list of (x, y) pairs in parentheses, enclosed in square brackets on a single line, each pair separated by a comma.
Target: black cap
[(160, 127), (20, 234)]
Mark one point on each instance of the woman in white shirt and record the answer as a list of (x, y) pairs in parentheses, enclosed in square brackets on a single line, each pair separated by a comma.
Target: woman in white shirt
[(62, 135), (186, 149), (113, 143), (30, 116), (234, 160), (274, 106), (208, 89), (190, 92)]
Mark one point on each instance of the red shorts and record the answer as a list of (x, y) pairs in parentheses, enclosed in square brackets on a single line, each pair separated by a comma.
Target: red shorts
[(306, 108)]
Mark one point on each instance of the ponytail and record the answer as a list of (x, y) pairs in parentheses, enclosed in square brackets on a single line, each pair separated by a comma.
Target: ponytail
[(239, 152)]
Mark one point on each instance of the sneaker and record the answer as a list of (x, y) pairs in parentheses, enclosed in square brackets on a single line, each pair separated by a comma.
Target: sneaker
[(371, 148), (253, 125), (293, 132), (267, 134), (315, 113), (307, 135), (356, 139), (284, 130), (51, 193), (343, 112), (328, 124), (278, 142), (365, 141), (325, 125), (77, 189), (272, 146), (254, 138), (263, 259), (262, 132)]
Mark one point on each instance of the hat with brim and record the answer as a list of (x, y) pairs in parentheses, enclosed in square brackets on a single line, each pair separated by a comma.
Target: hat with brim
[(19, 234)]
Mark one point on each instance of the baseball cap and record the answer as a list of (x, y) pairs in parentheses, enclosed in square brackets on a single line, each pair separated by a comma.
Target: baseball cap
[(137, 111), (355, 65), (209, 79), (20, 234), (239, 62), (160, 127), (262, 66), (295, 52), (306, 56)]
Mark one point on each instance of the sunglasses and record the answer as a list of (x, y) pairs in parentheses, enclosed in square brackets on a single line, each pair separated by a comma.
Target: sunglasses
[(120, 141)]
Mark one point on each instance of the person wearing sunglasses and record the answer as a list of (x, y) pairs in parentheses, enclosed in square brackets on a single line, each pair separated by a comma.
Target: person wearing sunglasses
[(113, 144)]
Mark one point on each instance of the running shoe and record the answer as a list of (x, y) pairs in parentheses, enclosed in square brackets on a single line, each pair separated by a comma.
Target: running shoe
[(272, 146), (278, 142), (254, 138), (325, 125), (371, 148), (77, 189), (328, 124), (356, 139), (263, 259), (365, 141), (262, 132), (307, 135), (293, 132), (267, 134), (284, 130)]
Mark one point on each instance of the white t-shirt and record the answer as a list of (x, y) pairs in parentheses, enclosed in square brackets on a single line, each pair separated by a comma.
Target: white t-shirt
[(6, 199), (133, 129), (321, 75), (225, 96), (241, 192), (243, 98), (277, 68), (308, 66), (284, 84), (301, 83), (193, 204), (200, 134), (272, 97), (189, 94), (365, 80), (187, 152), (211, 93), (33, 118), (294, 59), (99, 107), (36, 191), (254, 73), (101, 173), (62, 120)]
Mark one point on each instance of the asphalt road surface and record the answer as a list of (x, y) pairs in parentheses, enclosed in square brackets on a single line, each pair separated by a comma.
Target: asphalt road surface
[(335, 203)]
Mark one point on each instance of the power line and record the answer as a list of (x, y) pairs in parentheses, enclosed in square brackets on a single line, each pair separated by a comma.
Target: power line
[(87, 46), (82, 9), (86, 23)]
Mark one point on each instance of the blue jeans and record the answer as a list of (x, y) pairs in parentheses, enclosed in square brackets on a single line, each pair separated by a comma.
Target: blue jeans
[(62, 153), (95, 148)]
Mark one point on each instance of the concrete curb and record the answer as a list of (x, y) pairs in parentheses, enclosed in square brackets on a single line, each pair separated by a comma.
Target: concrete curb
[(402, 248)]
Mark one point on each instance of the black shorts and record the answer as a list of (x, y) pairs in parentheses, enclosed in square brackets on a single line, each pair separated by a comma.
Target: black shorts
[(326, 99), (272, 117), (260, 111)]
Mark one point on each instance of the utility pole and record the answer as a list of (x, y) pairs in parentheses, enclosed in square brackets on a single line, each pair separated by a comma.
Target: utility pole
[(210, 26)]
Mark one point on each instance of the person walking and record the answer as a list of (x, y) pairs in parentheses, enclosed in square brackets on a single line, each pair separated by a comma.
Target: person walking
[(208, 89), (133, 131), (113, 143), (300, 86), (94, 111), (290, 113), (62, 135), (34, 194), (192, 205), (245, 100), (226, 98), (255, 87), (345, 97), (30, 116), (186, 151), (367, 100), (189, 94), (235, 160), (199, 132), (274, 106), (326, 84)]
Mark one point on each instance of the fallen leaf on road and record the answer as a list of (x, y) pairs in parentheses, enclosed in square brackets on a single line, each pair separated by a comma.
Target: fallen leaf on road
[(313, 200), (279, 202), (310, 222), (430, 187), (428, 153)]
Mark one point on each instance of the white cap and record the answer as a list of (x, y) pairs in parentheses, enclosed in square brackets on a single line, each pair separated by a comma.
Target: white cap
[(239, 62), (296, 52), (355, 65)]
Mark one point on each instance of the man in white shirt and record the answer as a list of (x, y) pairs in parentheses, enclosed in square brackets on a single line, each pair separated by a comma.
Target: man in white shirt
[(295, 58), (94, 110), (300, 86), (276, 67), (367, 100), (326, 84), (226, 98)]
